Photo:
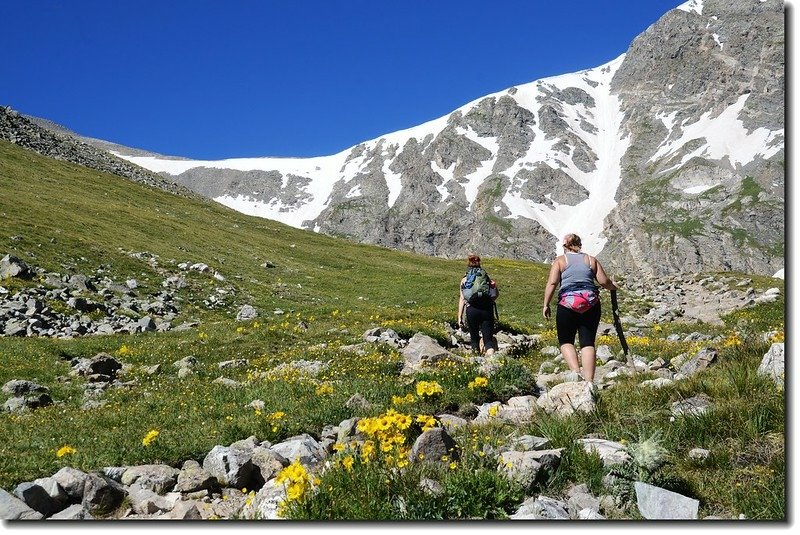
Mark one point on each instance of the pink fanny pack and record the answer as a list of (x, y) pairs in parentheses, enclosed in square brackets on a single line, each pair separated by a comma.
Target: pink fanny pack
[(579, 301)]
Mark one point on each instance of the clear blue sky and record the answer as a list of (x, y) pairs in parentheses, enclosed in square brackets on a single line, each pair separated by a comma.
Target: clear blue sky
[(217, 79)]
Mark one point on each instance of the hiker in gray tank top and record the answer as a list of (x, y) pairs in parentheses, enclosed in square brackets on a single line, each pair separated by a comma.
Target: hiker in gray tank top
[(577, 275), (579, 303)]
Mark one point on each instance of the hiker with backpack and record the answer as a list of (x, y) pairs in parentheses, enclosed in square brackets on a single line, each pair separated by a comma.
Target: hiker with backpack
[(578, 303), (476, 296)]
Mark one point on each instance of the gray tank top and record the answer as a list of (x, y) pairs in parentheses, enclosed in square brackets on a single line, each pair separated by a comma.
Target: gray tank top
[(577, 275)]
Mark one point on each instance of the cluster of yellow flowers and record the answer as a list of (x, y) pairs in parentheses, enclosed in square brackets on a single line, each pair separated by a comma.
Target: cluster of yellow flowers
[(428, 388), (732, 340), (324, 389), (639, 340), (296, 479), (240, 330), (388, 434), (150, 437), (402, 400), (478, 382), (274, 418), (604, 340), (124, 350), (65, 450), (777, 337)]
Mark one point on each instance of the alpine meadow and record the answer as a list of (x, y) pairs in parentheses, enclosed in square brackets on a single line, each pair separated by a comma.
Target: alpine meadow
[(295, 368)]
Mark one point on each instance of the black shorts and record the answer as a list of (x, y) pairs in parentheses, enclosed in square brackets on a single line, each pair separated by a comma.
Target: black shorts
[(569, 322)]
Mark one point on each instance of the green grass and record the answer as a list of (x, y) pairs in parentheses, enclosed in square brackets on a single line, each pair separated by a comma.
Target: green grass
[(69, 219)]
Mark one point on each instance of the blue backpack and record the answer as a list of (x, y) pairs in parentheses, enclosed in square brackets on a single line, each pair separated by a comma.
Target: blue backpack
[(477, 286)]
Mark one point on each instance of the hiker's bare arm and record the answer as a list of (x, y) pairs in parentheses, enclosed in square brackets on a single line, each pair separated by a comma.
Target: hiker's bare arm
[(460, 316), (604, 280), (550, 288)]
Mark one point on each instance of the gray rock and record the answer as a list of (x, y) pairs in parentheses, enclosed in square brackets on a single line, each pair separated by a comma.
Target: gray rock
[(232, 467), (311, 368), (100, 364), (30, 402), (236, 363), (346, 429), (21, 388), (193, 478), (73, 481), (581, 503), (16, 327), (224, 381), (266, 464), (302, 447), (610, 452), (450, 422), (246, 313), (266, 502), (114, 473), (656, 503), (381, 335), (604, 354), (159, 478), (11, 266), (43, 495), (528, 442), (73, 512), (433, 446), (541, 508), (146, 324), (529, 467), (772, 365), (589, 514), (145, 501), (699, 454), (431, 486), (184, 510), (567, 398), (12, 508), (422, 352), (702, 360), (186, 362), (102, 495), (693, 406), (358, 403)]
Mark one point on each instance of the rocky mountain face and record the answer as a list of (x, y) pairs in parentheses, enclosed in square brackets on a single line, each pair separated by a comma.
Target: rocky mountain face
[(702, 185), (669, 158), (54, 141)]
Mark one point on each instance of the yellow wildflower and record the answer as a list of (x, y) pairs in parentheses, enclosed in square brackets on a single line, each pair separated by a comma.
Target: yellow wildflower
[(65, 450), (478, 382), (150, 437), (347, 462)]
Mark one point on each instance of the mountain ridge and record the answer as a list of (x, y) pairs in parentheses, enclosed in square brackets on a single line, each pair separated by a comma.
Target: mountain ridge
[(667, 158)]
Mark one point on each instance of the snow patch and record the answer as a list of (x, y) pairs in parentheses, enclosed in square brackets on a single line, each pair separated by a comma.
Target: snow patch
[(586, 218), (716, 38), (724, 135), (447, 175), (354, 192), (698, 189), (778, 274), (692, 5)]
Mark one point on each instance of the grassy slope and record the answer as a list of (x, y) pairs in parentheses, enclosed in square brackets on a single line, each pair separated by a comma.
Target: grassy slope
[(67, 215), (72, 220)]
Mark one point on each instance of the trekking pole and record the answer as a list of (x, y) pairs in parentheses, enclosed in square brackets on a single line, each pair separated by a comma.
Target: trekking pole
[(618, 328)]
